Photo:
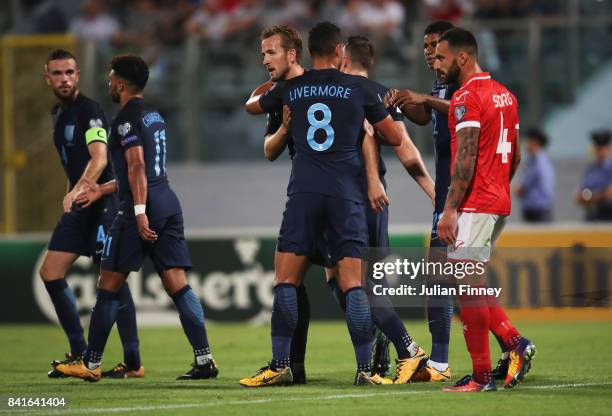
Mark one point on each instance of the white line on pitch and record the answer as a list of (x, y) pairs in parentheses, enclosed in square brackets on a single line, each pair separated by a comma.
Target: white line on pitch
[(271, 400)]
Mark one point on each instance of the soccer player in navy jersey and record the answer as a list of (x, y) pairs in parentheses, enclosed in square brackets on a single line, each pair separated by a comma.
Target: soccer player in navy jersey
[(80, 136), (422, 109), (281, 48), (358, 60), (149, 223), (326, 195)]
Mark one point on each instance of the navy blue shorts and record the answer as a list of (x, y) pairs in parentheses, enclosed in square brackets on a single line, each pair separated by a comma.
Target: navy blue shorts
[(378, 227), (125, 251), (378, 233), (323, 227), (83, 230)]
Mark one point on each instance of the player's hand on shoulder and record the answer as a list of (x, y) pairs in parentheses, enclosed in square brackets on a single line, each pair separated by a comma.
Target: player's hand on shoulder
[(286, 117), (447, 227), (390, 97), (377, 195), (407, 97), (145, 232)]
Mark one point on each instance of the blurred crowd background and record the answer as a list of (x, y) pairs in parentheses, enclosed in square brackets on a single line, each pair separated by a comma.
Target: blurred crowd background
[(205, 60)]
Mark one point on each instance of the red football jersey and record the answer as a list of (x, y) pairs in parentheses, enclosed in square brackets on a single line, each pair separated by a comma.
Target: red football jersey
[(485, 103)]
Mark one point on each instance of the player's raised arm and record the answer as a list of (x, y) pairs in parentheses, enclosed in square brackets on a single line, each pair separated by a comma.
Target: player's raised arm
[(412, 161), (463, 172), (408, 97), (418, 114), (378, 116), (416, 106), (252, 105), (275, 143)]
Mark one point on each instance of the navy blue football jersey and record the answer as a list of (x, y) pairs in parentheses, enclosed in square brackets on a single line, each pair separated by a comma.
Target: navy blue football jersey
[(75, 126), (137, 124), (328, 108), (442, 143)]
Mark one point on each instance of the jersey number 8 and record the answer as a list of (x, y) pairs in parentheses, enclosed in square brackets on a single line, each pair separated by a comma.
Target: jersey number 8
[(322, 124)]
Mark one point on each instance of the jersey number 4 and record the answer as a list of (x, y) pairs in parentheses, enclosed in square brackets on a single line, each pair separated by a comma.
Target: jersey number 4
[(504, 147), (319, 124)]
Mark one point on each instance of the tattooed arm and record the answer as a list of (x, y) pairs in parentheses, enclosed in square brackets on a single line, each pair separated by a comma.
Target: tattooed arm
[(463, 172)]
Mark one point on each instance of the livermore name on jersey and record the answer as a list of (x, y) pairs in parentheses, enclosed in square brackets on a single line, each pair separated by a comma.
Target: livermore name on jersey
[(323, 91)]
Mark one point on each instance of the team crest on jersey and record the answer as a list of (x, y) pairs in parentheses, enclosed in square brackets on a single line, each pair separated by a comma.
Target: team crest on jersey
[(69, 133), (124, 129), (460, 111), (95, 122)]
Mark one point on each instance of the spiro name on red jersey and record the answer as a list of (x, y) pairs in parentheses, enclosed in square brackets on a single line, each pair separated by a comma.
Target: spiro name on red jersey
[(486, 104)]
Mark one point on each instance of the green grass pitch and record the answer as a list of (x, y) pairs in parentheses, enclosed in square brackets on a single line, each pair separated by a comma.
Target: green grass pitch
[(572, 374)]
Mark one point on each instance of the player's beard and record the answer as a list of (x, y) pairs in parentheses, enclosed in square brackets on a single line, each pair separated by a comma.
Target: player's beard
[(65, 96), (114, 95), (452, 75)]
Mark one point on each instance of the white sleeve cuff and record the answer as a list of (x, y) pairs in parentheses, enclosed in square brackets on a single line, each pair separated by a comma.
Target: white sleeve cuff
[(517, 127), (465, 124)]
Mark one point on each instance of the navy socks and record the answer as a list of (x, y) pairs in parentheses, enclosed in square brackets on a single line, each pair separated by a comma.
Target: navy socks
[(128, 330), (300, 335), (284, 322), (386, 318), (359, 323), (103, 318), (65, 307), (439, 317), (192, 319)]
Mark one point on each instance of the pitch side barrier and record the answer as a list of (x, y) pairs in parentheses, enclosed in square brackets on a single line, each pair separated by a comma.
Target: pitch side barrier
[(551, 267)]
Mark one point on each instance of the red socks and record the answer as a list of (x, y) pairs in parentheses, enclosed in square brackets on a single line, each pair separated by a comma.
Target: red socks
[(476, 320), (501, 326)]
